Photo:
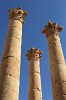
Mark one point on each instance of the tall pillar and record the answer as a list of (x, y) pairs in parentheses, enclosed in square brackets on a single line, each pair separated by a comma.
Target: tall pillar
[(34, 90), (11, 56), (57, 62)]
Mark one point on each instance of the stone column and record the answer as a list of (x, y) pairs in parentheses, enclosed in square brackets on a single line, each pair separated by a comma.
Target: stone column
[(57, 62), (34, 90), (11, 56)]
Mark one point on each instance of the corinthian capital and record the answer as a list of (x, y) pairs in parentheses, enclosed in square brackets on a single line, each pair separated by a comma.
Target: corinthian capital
[(52, 28), (34, 54), (17, 13)]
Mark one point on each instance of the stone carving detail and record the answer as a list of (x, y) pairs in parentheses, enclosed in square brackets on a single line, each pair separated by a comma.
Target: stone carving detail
[(17, 13), (34, 54), (52, 28)]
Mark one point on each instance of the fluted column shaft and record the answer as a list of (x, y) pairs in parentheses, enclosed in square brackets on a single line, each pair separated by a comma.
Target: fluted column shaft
[(34, 89), (11, 56), (57, 62)]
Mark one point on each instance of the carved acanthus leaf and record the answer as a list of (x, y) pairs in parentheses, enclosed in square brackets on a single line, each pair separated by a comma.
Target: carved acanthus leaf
[(17, 13), (52, 28), (34, 54)]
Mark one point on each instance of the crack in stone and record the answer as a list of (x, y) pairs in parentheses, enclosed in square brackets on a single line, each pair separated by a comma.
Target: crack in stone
[(32, 74), (60, 82), (16, 37), (8, 57), (10, 76), (37, 89), (52, 63), (14, 26), (54, 47), (37, 72), (64, 94)]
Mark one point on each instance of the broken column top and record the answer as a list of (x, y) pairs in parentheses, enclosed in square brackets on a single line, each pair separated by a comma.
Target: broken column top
[(52, 28), (34, 54), (17, 13)]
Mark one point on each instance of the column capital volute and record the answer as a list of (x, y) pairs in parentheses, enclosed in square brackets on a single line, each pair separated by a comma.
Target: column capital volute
[(17, 13), (34, 54), (52, 28)]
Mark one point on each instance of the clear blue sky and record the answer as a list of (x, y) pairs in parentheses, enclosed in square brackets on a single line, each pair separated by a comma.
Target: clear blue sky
[(40, 11)]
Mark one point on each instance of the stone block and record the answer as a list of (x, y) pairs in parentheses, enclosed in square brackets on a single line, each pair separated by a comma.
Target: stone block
[(56, 55), (34, 67), (35, 81), (10, 88), (59, 90), (12, 48), (35, 95), (15, 23), (58, 72), (15, 32), (54, 41), (11, 66)]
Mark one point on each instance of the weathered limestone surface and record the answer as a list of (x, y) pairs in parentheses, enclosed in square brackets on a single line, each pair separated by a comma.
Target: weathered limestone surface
[(34, 90), (57, 62), (9, 87), (11, 66)]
